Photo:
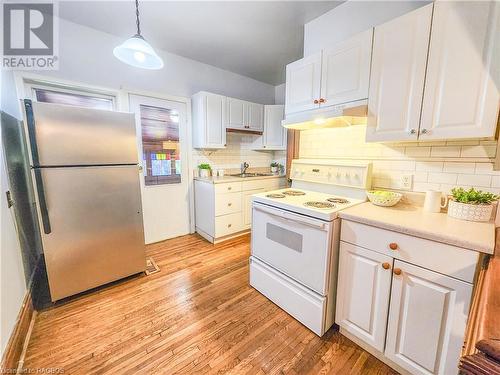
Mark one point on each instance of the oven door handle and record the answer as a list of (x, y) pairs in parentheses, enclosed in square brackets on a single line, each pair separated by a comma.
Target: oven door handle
[(292, 217)]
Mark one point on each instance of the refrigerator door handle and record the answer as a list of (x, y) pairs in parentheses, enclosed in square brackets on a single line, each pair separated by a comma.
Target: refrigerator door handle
[(44, 212), (30, 122)]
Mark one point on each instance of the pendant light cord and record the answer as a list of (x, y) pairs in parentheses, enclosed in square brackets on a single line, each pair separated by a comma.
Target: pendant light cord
[(137, 17)]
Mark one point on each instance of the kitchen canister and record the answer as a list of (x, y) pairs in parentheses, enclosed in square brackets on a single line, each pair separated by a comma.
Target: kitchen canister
[(433, 202)]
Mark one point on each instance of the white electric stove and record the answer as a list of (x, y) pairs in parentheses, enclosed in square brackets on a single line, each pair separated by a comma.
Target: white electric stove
[(295, 237)]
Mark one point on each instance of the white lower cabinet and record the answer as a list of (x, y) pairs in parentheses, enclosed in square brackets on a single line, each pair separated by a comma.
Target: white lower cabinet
[(223, 210), (363, 293), (427, 320), (412, 316)]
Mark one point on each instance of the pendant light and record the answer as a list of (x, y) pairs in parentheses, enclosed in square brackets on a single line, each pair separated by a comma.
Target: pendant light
[(136, 51)]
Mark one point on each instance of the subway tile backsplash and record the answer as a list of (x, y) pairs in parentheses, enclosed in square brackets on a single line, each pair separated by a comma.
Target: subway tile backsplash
[(238, 150), (438, 165)]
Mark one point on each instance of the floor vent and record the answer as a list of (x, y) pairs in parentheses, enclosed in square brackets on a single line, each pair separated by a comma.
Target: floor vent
[(151, 267)]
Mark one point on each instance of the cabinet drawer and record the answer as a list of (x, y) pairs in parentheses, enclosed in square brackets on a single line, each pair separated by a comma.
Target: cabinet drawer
[(230, 187), (227, 203), (227, 224), (446, 259)]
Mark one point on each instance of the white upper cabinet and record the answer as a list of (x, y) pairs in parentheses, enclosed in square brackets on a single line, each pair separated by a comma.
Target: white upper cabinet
[(427, 320), (397, 76), (363, 291), (243, 115), (303, 80), (255, 120), (274, 135), (236, 113), (461, 96), (345, 70), (209, 129)]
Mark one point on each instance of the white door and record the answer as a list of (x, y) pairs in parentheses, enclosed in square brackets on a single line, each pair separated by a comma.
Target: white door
[(303, 80), (397, 76), (461, 92), (427, 320), (345, 70), (236, 113), (255, 119), (363, 290), (163, 151)]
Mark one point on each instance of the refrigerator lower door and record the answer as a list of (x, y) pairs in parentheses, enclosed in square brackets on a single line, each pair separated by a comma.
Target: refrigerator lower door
[(96, 232)]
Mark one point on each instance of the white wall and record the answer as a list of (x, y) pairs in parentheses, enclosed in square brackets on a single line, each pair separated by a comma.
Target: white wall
[(350, 18), (279, 94), (86, 55), (12, 279)]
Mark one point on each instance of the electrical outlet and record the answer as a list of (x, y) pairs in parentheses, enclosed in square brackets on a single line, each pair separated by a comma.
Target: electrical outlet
[(406, 182)]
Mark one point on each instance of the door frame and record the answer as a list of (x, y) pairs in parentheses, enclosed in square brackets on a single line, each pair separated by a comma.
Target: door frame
[(24, 80)]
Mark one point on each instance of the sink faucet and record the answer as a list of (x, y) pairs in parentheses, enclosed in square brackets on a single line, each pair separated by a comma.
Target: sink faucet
[(244, 167)]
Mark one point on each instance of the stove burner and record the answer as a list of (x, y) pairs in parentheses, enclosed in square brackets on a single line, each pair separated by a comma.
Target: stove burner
[(338, 200), (275, 196), (294, 192), (321, 205)]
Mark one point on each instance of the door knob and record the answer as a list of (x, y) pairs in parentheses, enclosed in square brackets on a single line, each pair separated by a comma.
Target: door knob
[(321, 100), (412, 131), (229, 225), (229, 188), (316, 101), (393, 246), (423, 131), (229, 204), (386, 266), (397, 271)]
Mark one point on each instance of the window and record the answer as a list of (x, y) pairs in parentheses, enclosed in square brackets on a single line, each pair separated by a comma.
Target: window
[(73, 98), (160, 145)]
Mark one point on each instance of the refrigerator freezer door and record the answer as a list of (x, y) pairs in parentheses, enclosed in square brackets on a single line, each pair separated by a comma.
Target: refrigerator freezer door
[(67, 135), (96, 227)]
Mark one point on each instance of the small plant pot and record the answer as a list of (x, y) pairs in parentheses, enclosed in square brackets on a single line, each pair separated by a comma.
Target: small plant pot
[(204, 172), (470, 212), (274, 169)]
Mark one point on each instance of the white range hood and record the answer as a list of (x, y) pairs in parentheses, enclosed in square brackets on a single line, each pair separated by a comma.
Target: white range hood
[(347, 114)]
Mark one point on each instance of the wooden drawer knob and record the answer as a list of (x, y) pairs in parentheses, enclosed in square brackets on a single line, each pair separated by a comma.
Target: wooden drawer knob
[(229, 204), (322, 100), (397, 271), (229, 225), (229, 188), (393, 246), (316, 101), (386, 266)]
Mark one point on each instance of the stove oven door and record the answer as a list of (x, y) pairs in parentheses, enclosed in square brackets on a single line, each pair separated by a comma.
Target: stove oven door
[(297, 245)]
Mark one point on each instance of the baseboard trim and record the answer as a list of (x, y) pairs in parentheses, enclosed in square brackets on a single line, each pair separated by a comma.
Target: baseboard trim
[(17, 344)]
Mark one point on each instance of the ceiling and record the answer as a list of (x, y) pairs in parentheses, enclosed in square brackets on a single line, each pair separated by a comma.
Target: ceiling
[(252, 38)]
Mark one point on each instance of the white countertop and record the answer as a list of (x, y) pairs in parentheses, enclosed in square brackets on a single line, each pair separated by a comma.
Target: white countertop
[(225, 179), (414, 221)]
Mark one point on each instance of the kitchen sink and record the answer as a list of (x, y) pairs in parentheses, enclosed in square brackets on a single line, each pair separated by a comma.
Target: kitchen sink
[(243, 175)]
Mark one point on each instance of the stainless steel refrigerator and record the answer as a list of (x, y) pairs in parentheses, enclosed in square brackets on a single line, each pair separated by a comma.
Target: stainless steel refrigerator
[(86, 176)]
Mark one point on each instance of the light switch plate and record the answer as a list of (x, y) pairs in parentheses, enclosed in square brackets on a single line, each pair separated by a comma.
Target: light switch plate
[(406, 181)]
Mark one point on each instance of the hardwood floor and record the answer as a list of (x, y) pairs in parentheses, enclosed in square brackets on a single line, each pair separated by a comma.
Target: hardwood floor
[(197, 315)]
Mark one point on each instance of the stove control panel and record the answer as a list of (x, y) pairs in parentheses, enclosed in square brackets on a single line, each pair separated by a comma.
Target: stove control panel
[(357, 175)]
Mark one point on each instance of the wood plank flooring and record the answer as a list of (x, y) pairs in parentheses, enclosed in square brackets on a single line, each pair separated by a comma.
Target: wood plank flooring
[(197, 315)]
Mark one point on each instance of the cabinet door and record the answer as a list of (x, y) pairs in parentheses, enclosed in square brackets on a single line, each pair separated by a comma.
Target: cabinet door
[(255, 120), (215, 129), (461, 96), (345, 70), (247, 205), (427, 320), (236, 113), (303, 79), (397, 76), (274, 137), (363, 293)]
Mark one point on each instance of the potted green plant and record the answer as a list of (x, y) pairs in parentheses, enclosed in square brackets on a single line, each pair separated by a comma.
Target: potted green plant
[(204, 170), (472, 204), (276, 167)]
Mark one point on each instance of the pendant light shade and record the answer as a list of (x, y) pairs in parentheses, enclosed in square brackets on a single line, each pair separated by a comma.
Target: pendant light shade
[(136, 51)]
